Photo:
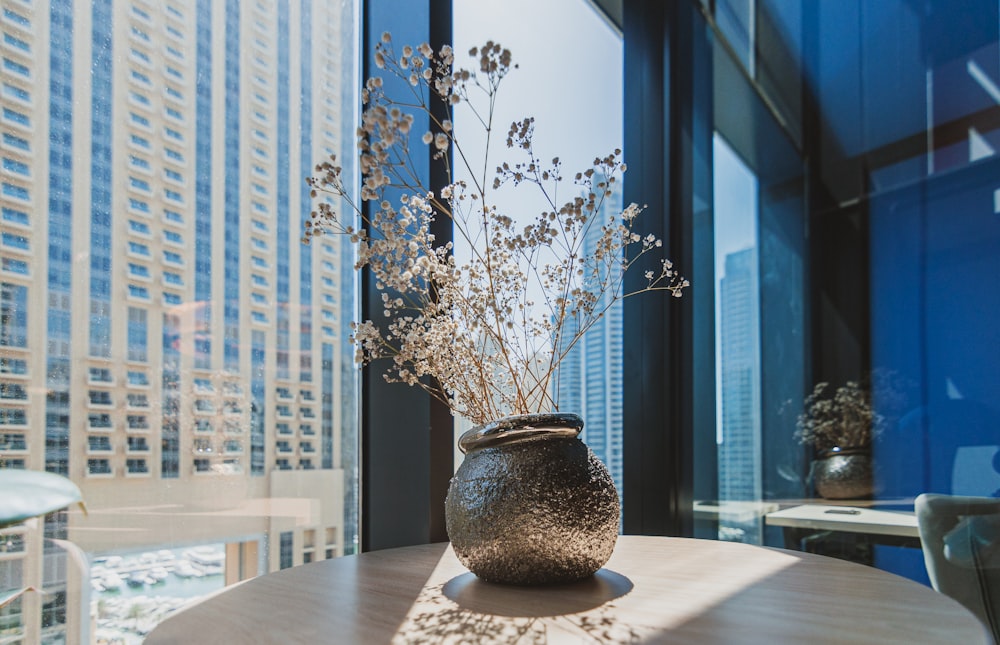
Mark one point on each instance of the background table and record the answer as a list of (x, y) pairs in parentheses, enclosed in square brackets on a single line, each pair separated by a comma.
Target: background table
[(653, 589)]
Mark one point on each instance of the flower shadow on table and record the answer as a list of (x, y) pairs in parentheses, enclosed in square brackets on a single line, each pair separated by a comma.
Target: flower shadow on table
[(465, 609)]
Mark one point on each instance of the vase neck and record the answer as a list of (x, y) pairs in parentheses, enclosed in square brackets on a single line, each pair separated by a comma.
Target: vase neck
[(522, 427)]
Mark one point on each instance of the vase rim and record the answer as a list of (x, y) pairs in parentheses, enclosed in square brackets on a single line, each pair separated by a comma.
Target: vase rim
[(520, 427), (844, 450)]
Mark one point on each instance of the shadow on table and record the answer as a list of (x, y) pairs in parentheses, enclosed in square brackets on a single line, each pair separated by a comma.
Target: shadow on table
[(472, 594), (466, 609)]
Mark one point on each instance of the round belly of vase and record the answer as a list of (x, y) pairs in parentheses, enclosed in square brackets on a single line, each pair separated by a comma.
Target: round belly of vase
[(844, 476), (535, 511)]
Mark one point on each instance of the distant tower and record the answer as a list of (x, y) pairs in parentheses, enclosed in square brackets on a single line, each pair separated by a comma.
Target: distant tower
[(590, 377), (740, 451)]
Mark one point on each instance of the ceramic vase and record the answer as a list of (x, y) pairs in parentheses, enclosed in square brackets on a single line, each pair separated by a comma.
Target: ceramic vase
[(844, 473), (531, 504)]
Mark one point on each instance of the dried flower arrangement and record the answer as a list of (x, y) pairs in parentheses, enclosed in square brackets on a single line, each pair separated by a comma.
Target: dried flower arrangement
[(841, 421), (470, 332)]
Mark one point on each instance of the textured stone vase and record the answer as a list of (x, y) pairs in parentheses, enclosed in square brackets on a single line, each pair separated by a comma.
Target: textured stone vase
[(531, 504), (844, 473)]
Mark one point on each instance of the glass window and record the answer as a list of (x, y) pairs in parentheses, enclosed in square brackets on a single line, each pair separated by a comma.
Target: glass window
[(853, 239), (14, 391), (136, 329), (580, 50), (16, 167), (16, 142), (737, 338), (16, 42), (286, 554), (16, 18), (101, 375), (17, 68), (20, 267), (15, 216), (99, 443), (15, 241), (13, 315), (138, 270), (142, 78), (99, 467)]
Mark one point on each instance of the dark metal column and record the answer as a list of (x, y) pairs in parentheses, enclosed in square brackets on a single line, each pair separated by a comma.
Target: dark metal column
[(406, 438), (668, 137)]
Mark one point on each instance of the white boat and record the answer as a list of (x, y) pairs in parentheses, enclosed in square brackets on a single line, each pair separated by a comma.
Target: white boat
[(137, 579), (185, 570), (112, 581), (206, 556), (159, 574)]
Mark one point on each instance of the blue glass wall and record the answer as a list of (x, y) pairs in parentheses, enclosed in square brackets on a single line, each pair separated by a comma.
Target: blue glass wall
[(60, 232), (328, 408), (258, 407), (138, 335), (874, 127), (203, 186), (170, 402), (284, 243), (307, 161), (231, 265), (100, 190)]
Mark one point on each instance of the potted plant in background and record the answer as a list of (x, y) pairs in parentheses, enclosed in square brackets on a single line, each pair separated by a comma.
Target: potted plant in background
[(841, 428), (485, 333)]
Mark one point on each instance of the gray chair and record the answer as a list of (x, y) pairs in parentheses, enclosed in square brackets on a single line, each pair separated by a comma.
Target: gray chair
[(960, 537)]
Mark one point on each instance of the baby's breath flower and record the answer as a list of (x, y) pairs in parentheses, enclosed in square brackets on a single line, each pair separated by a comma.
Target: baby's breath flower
[(470, 324)]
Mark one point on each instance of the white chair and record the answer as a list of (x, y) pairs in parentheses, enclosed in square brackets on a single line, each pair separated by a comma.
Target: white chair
[(960, 537)]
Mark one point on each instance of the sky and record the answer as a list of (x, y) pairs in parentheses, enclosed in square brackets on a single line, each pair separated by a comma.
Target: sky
[(569, 79), (734, 202)]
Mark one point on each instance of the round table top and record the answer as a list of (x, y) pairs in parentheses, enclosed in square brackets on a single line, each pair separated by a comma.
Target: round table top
[(654, 589)]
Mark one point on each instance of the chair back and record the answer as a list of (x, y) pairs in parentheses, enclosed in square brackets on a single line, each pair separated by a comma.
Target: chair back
[(960, 537)]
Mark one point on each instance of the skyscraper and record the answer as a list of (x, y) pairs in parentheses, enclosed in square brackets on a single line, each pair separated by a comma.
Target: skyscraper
[(590, 376), (165, 339), (740, 450)]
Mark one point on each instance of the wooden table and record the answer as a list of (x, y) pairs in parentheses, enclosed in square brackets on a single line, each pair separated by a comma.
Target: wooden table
[(653, 589), (851, 519), (897, 528)]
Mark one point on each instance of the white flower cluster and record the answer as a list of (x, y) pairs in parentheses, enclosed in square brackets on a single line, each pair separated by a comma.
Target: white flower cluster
[(470, 333)]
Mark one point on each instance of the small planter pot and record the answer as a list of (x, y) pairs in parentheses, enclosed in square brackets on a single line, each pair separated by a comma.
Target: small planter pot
[(531, 504), (844, 473)]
